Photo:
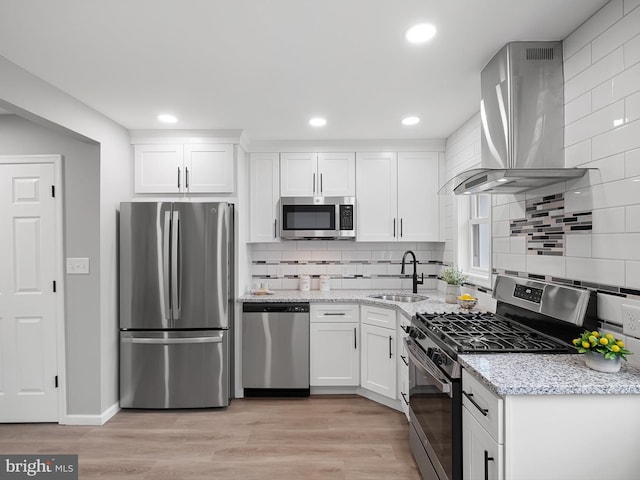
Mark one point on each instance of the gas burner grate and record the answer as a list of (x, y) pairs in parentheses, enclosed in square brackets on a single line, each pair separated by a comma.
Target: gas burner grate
[(485, 332)]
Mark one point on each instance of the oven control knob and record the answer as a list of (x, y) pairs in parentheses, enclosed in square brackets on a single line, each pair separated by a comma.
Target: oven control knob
[(437, 358)]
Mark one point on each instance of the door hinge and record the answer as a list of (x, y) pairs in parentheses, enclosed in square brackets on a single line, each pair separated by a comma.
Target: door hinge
[(54, 286), (56, 380), (53, 191)]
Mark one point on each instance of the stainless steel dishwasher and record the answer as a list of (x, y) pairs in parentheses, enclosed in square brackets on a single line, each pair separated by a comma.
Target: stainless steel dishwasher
[(275, 349)]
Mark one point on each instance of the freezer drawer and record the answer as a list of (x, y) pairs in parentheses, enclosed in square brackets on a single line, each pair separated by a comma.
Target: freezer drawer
[(174, 369)]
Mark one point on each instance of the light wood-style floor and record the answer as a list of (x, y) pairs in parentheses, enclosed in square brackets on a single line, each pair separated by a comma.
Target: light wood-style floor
[(321, 437)]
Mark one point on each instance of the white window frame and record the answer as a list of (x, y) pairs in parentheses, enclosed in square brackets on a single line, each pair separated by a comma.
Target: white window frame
[(467, 217)]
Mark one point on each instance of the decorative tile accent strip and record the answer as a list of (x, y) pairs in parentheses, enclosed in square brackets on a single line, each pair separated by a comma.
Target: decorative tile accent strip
[(597, 287), (546, 224)]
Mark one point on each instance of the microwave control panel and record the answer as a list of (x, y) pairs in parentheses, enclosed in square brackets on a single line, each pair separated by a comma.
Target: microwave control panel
[(346, 217)]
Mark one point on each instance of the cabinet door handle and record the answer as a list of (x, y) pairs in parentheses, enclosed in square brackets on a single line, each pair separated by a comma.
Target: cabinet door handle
[(334, 314), (355, 338), (178, 178), (390, 341), (314, 183), (487, 459), (186, 176), (404, 359), (320, 183), (275, 228), (394, 228), (401, 227), (483, 411), (404, 397)]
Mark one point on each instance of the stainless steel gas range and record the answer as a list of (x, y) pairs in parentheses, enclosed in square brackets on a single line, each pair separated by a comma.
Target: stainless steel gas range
[(531, 316)]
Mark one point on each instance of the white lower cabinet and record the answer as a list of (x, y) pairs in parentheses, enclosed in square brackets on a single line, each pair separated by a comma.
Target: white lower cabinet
[(482, 431), (378, 371), (483, 456), (334, 356)]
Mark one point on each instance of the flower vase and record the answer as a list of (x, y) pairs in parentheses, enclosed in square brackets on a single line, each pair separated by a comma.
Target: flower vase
[(597, 361), (452, 293)]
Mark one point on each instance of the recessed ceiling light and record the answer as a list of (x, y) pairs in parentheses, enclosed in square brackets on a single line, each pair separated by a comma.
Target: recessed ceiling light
[(166, 118), (420, 33), (410, 120), (502, 180), (318, 122)]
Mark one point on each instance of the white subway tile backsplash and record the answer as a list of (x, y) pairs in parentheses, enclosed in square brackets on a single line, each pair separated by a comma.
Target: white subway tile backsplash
[(620, 32), (546, 265), (579, 200), (518, 245), (578, 245), (578, 154), (504, 261), (602, 95), (326, 255), (621, 246), (606, 272), (632, 107), (500, 212), (578, 62), (517, 210), (633, 275), (632, 215), (609, 220), (503, 245), (604, 69), (296, 256), (632, 51), (593, 124), (578, 108), (621, 139), (632, 163), (627, 82), (630, 5), (598, 23), (500, 229)]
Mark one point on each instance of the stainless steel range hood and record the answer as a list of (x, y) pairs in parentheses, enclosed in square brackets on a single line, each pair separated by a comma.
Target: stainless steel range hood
[(522, 118)]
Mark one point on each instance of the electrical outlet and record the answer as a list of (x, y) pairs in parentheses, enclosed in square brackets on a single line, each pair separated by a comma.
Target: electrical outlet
[(77, 266), (631, 320)]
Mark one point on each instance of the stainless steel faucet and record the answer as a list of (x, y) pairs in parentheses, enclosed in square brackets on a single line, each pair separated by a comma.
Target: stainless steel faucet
[(416, 282)]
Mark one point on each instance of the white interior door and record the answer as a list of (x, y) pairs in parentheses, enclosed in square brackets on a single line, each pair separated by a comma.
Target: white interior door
[(28, 333)]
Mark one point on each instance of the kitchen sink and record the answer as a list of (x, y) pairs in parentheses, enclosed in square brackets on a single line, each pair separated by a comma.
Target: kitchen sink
[(400, 297)]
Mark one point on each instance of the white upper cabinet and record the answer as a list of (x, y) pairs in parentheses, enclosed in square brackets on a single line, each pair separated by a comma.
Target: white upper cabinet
[(158, 168), (184, 168), (377, 196), (264, 192), (397, 196), (418, 200), (317, 174)]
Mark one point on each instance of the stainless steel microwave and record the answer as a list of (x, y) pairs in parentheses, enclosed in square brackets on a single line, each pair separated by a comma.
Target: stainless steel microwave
[(318, 217)]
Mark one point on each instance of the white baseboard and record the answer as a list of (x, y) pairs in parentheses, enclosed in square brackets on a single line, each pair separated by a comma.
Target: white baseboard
[(80, 419)]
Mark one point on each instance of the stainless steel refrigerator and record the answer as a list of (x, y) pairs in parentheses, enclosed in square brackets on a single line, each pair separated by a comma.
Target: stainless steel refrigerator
[(176, 304)]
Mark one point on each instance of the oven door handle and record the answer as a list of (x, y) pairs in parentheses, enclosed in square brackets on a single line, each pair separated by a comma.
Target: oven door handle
[(429, 368)]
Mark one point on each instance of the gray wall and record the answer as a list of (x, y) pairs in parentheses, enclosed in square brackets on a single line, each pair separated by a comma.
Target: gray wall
[(81, 194)]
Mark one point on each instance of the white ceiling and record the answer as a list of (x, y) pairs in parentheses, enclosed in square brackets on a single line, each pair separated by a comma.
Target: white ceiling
[(267, 66)]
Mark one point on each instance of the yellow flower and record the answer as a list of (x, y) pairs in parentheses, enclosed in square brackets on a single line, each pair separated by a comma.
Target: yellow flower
[(604, 341), (586, 344), (620, 343), (593, 339), (595, 333), (609, 336), (576, 341), (615, 348)]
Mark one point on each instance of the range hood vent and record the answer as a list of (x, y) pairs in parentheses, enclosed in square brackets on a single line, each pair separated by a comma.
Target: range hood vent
[(522, 123)]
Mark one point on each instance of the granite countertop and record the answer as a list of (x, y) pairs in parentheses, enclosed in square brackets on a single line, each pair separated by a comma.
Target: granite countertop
[(542, 374), (433, 304)]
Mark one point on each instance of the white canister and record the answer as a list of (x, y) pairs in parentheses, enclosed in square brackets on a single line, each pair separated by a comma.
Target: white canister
[(305, 283), (325, 285)]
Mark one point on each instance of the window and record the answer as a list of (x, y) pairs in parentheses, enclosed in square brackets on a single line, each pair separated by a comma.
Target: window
[(474, 237)]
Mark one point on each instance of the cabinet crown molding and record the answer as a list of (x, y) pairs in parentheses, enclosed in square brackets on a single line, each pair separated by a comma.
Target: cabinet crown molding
[(141, 137)]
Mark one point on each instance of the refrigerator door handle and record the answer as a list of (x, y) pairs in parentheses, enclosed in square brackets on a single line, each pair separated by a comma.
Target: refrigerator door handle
[(173, 341), (166, 272), (175, 265)]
